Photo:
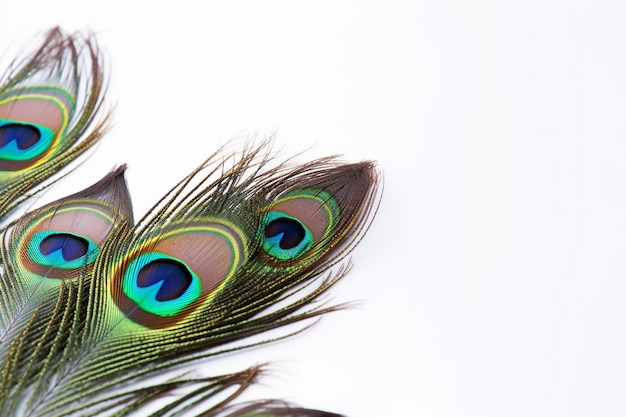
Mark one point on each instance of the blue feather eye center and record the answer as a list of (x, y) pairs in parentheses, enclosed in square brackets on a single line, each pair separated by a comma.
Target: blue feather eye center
[(285, 236), (60, 250), (24, 136), (161, 284), (175, 278), (23, 141), (290, 232), (71, 246)]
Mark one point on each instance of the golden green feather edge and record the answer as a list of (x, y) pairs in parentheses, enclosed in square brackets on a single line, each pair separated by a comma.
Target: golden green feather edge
[(96, 311)]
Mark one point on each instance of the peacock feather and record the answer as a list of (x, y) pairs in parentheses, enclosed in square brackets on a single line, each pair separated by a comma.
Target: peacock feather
[(96, 309)]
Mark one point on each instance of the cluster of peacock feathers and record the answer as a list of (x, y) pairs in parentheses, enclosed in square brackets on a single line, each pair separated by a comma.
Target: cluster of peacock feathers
[(96, 308)]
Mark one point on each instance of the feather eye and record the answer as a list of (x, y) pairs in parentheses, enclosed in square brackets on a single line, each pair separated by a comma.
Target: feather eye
[(313, 215), (48, 102), (32, 121), (296, 222), (165, 279), (62, 239)]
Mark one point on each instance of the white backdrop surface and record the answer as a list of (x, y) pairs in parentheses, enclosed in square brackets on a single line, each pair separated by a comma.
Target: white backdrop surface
[(493, 279)]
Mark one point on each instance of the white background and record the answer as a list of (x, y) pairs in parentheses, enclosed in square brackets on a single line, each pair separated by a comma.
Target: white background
[(493, 279)]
